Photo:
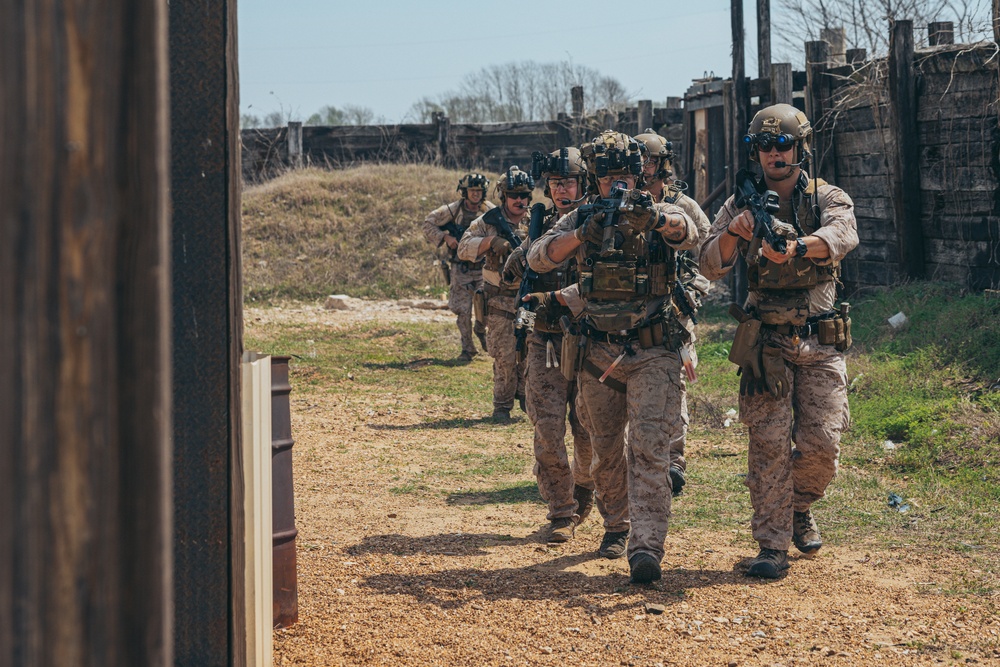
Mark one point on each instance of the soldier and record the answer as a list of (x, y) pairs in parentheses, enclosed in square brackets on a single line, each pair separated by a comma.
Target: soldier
[(631, 369), (568, 491), (443, 228), (657, 172), (490, 238), (790, 343)]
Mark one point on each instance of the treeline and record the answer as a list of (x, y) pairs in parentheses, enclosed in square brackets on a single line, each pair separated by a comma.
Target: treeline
[(513, 92)]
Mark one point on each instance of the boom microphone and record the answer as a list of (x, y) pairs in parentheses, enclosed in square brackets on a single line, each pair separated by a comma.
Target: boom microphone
[(779, 164)]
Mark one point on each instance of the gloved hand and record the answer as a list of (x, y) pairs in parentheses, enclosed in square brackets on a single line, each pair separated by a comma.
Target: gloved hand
[(513, 270), (752, 373), (539, 300), (591, 231), (499, 245), (775, 371), (642, 219)]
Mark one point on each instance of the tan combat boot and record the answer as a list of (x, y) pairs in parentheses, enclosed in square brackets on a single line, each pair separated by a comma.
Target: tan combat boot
[(805, 534), (561, 530)]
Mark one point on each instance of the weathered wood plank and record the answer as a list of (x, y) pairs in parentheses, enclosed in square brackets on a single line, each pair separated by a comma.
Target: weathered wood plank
[(863, 187), (984, 229), (934, 86), (959, 58), (873, 164), (875, 208), (940, 176), (972, 103), (962, 253), (864, 142), (960, 203)]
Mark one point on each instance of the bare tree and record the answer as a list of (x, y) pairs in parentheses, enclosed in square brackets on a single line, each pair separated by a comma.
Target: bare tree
[(522, 91), (865, 22), (350, 114)]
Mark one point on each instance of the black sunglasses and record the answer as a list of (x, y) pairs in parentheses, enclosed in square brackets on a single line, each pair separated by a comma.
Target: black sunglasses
[(765, 140), (519, 195)]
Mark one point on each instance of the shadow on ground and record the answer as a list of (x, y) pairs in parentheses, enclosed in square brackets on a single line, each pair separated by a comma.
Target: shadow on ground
[(416, 364), (453, 422), (525, 492)]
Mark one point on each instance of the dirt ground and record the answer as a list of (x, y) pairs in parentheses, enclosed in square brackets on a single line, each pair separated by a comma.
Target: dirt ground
[(468, 579)]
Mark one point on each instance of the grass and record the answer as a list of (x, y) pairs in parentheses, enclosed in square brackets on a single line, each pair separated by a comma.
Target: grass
[(312, 232)]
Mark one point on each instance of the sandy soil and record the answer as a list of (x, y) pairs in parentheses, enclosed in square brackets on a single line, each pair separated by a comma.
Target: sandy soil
[(467, 579)]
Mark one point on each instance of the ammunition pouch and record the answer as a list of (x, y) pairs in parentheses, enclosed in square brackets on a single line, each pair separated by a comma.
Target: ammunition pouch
[(836, 332), (479, 307), (570, 355)]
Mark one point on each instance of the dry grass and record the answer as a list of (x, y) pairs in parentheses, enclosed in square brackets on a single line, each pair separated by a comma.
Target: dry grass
[(313, 232)]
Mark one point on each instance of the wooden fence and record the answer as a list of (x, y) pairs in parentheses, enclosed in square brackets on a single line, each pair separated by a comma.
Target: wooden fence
[(488, 146)]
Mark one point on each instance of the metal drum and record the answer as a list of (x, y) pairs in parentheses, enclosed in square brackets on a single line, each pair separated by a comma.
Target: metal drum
[(286, 596)]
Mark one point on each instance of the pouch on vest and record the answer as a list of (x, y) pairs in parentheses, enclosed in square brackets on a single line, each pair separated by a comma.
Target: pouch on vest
[(569, 354), (845, 345), (783, 307)]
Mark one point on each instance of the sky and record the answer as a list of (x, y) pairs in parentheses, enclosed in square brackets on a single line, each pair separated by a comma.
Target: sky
[(301, 55)]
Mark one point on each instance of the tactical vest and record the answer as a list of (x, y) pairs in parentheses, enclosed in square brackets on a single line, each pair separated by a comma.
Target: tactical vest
[(617, 288), (784, 288), (462, 218)]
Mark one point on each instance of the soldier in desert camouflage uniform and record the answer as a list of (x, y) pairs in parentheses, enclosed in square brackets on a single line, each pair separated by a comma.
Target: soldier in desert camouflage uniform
[(657, 172), (490, 238), (568, 491), (791, 341), (631, 369), (443, 228)]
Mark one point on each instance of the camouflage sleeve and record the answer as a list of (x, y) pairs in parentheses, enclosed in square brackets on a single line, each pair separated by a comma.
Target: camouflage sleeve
[(513, 268), (838, 226), (699, 218), (468, 247), (432, 224), (691, 235), (538, 257), (710, 261)]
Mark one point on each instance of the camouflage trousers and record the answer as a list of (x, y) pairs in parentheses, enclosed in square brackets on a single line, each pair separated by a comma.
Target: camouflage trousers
[(548, 395), (784, 478), (463, 286), (654, 406), (508, 375)]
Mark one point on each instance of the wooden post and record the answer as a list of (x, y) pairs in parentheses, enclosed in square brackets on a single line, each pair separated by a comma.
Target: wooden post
[(86, 562), (764, 40), (906, 175), (837, 39), (294, 138), (781, 83), (443, 126), (741, 92), (817, 57), (644, 113), (940, 33), (735, 155), (856, 56), (576, 98), (674, 103), (209, 587)]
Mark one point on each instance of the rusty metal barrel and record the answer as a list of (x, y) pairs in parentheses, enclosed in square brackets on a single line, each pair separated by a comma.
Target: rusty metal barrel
[(286, 595)]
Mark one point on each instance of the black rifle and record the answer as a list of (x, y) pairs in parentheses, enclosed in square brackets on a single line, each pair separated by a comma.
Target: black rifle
[(762, 207), (610, 208), (494, 216), (524, 323)]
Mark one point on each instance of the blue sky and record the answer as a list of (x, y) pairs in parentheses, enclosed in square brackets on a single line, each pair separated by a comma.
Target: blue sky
[(300, 55)]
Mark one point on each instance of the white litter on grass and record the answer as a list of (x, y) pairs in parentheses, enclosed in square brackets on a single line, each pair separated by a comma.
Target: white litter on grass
[(898, 320), (888, 445)]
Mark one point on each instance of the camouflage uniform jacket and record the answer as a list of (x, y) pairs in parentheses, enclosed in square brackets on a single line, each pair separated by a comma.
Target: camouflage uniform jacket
[(454, 212), (539, 260), (837, 228)]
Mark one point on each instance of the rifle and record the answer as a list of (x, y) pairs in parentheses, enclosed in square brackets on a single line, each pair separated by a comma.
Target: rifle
[(762, 207), (494, 216), (524, 323), (619, 200)]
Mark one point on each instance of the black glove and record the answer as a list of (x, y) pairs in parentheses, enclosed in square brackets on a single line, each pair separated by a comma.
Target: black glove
[(591, 231)]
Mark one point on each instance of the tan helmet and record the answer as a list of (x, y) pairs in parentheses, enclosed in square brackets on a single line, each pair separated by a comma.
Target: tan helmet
[(655, 146), (514, 180), (781, 125), (612, 154), (560, 163), (473, 180)]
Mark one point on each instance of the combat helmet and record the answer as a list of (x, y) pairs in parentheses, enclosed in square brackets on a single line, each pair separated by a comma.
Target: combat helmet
[(514, 180), (560, 163), (612, 154), (473, 180), (781, 125), (655, 146)]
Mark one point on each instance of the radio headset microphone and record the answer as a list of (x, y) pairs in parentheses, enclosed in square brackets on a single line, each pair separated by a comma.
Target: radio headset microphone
[(780, 165)]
